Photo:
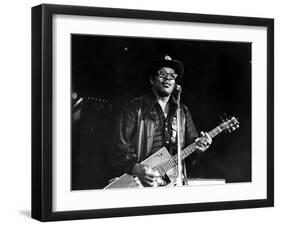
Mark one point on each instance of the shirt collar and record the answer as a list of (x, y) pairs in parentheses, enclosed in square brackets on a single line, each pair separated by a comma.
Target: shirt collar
[(150, 100)]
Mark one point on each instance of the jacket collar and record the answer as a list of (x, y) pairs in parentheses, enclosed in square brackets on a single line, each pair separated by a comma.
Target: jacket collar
[(149, 100)]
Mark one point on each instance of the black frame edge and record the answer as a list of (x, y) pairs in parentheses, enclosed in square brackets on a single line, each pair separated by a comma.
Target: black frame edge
[(156, 15), (36, 163), (41, 205), (156, 210), (270, 112), (47, 113)]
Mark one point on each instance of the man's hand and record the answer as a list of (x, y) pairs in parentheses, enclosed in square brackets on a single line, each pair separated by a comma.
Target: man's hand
[(146, 175), (203, 142)]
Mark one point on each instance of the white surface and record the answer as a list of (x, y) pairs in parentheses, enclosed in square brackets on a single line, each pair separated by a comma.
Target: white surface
[(64, 199), (15, 112)]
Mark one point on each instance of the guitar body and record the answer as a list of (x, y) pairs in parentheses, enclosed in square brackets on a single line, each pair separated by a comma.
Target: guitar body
[(159, 157)]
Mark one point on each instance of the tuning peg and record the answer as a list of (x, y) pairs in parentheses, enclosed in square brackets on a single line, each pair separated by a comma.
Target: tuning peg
[(237, 119), (223, 117)]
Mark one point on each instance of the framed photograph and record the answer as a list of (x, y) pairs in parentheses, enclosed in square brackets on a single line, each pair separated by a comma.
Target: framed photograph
[(131, 109)]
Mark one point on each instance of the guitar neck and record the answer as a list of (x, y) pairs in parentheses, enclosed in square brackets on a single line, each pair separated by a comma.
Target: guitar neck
[(173, 161), (192, 147)]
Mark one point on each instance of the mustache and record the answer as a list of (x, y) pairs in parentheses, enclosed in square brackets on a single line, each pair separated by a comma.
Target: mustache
[(169, 83)]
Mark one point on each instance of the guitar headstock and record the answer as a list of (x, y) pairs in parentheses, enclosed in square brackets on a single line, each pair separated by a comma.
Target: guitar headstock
[(229, 124)]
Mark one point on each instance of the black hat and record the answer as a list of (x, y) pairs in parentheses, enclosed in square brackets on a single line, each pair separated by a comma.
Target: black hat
[(166, 61)]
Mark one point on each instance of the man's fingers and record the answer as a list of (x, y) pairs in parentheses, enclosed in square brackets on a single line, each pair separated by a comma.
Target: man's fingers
[(209, 138), (200, 148), (206, 138), (203, 142), (149, 181), (150, 184), (150, 172), (148, 178)]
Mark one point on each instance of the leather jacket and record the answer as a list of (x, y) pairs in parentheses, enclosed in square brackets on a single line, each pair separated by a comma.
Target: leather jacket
[(128, 137)]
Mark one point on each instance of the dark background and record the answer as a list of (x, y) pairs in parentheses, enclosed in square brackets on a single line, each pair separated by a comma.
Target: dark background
[(108, 71)]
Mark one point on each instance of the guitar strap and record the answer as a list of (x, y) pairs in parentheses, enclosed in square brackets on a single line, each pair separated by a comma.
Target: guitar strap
[(140, 132)]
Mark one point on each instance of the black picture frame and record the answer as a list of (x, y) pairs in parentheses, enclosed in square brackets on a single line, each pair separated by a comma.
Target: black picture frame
[(42, 108)]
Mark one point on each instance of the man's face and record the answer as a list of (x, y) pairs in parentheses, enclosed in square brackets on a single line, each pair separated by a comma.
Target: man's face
[(163, 83)]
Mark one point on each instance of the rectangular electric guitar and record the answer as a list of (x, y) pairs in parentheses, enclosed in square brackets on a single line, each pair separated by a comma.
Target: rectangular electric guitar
[(166, 164)]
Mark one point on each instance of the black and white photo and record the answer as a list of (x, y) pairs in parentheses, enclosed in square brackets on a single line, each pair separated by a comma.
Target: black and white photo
[(109, 73)]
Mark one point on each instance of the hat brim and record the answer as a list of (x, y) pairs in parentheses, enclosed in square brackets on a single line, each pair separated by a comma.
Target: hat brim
[(176, 65)]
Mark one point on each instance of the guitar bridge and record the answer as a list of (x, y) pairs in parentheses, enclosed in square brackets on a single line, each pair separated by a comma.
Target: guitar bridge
[(165, 180)]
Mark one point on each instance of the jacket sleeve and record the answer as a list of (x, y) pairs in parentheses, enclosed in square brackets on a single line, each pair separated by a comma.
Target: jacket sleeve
[(124, 154), (191, 134)]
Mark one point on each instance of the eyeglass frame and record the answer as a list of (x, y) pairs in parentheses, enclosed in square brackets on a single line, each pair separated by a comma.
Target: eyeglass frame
[(166, 74)]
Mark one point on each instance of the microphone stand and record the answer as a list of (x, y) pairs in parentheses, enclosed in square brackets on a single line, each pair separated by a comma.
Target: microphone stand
[(179, 181)]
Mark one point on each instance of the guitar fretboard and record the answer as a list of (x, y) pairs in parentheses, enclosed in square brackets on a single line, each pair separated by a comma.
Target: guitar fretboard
[(173, 161)]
